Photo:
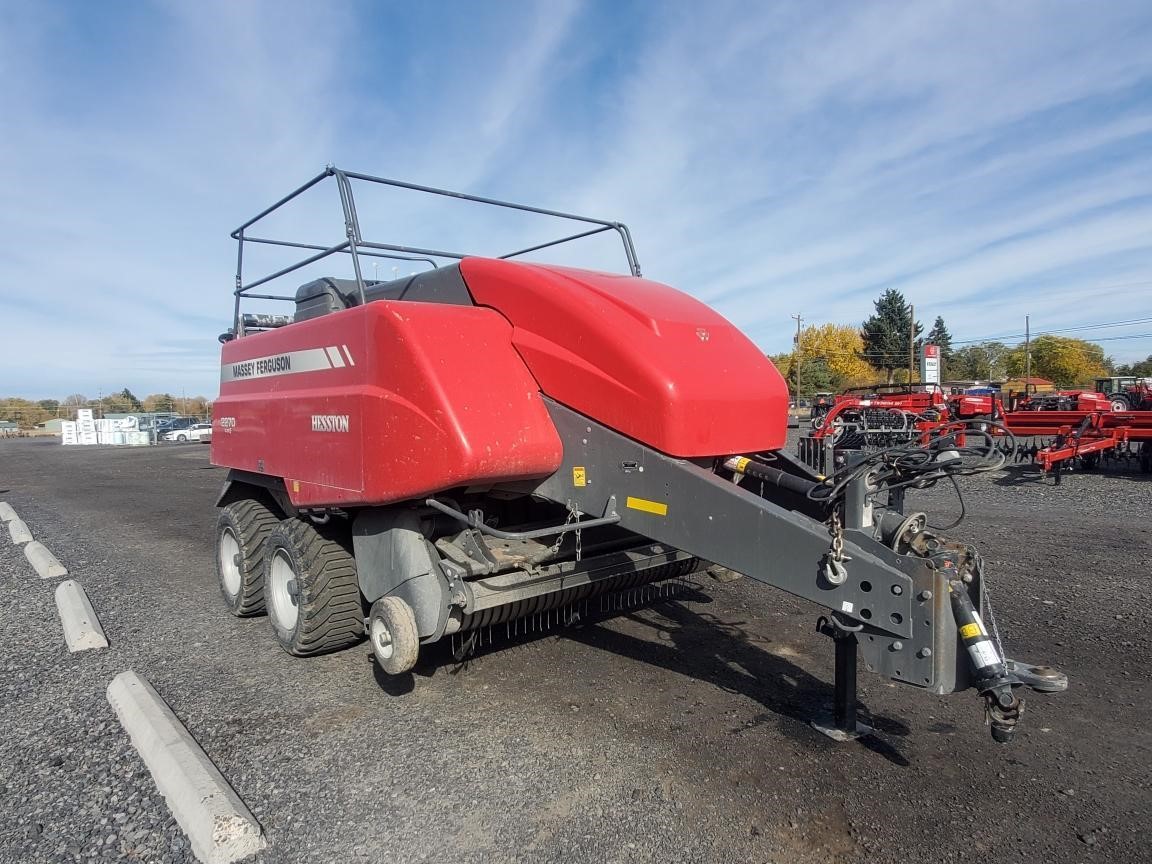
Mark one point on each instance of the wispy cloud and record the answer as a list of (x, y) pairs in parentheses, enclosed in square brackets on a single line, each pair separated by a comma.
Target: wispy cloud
[(991, 161)]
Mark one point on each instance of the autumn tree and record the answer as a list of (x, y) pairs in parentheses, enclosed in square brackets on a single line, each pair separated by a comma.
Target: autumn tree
[(122, 402), (159, 402), (984, 361), (23, 412), (1064, 361), (840, 348), (197, 406), (886, 334)]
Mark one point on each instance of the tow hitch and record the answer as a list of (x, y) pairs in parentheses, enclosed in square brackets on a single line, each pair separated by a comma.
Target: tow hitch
[(871, 494)]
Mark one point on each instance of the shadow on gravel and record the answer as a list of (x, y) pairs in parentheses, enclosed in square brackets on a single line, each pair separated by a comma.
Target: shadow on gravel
[(393, 685), (723, 653), (1021, 475), (699, 645), (1025, 474)]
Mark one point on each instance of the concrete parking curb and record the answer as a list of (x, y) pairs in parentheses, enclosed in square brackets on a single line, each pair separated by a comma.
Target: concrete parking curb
[(82, 630), (7, 514), (19, 532), (219, 826), (43, 561)]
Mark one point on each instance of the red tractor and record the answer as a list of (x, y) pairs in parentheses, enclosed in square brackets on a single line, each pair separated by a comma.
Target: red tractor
[(491, 440), (1126, 392)]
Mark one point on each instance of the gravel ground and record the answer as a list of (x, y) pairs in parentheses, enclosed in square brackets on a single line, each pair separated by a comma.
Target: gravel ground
[(674, 733)]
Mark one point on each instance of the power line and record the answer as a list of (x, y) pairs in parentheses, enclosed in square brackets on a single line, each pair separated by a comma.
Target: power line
[(1078, 328), (1117, 338)]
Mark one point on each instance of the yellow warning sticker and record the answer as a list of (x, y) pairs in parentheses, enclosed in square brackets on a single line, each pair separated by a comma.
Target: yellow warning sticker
[(295, 485), (579, 476), (655, 507), (970, 631)]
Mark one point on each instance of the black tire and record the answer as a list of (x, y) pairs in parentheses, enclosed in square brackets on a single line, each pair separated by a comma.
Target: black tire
[(393, 635), (181, 438), (309, 570), (1120, 402), (248, 523)]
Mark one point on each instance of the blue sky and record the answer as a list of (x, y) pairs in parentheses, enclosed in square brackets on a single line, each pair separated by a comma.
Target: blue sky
[(991, 160)]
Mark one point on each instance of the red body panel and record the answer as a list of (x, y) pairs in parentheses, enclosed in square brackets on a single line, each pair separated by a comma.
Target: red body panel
[(639, 357), (966, 405), (1090, 401), (398, 399), (412, 398)]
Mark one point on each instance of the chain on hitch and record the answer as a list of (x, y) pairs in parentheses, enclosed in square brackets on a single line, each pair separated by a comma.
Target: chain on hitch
[(832, 564)]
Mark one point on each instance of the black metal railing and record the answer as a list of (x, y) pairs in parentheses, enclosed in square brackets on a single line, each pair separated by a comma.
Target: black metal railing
[(356, 246)]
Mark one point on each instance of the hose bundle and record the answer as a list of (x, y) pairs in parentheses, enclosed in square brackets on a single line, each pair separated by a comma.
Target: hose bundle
[(961, 449)]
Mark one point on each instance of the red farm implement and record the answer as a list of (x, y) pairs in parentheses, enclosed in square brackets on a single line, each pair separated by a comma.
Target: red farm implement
[(490, 443), (1050, 429), (888, 415), (1086, 436)]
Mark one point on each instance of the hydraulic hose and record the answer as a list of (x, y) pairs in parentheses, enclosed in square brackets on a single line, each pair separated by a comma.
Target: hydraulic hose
[(782, 479)]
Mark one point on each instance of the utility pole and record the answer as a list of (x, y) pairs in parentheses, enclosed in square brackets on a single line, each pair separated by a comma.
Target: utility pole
[(798, 355), (1027, 354), (911, 342)]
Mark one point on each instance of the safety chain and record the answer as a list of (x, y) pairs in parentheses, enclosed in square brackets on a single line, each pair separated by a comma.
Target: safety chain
[(837, 532), (573, 513), (986, 602)]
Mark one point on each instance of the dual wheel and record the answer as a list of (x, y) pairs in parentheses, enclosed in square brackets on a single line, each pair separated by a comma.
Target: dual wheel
[(303, 574)]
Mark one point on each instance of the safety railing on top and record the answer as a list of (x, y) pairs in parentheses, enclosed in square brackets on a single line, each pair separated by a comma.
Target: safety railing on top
[(356, 246)]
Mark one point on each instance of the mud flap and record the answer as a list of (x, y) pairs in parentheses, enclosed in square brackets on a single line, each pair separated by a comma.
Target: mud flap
[(393, 557)]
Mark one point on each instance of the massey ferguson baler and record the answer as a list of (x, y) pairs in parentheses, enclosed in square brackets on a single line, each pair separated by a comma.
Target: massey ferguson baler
[(490, 439)]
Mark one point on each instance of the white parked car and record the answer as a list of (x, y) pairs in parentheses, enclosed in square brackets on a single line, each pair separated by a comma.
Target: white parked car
[(192, 433)]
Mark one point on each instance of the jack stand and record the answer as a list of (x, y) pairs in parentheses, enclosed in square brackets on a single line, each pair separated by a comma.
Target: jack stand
[(843, 726)]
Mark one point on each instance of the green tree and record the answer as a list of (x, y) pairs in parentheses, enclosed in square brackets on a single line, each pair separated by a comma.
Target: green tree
[(939, 335), (131, 399), (815, 377), (1142, 368), (123, 402), (984, 361), (1064, 361), (886, 333)]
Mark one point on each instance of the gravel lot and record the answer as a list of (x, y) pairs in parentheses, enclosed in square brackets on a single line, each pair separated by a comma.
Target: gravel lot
[(676, 733)]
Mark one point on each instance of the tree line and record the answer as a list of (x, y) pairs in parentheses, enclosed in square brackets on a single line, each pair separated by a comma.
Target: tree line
[(828, 357), (29, 413), (832, 357)]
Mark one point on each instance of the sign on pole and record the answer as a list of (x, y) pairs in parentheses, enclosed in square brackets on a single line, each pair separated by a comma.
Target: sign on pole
[(930, 365)]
